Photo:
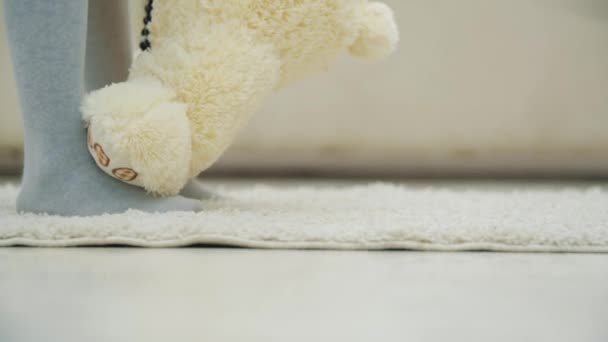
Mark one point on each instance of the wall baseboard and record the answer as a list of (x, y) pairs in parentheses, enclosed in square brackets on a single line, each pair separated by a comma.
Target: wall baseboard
[(11, 160)]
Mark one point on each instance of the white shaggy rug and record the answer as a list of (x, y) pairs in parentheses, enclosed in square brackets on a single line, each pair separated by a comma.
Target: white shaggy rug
[(375, 216)]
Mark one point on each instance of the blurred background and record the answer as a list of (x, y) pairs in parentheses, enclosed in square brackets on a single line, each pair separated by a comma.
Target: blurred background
[(478, 87)]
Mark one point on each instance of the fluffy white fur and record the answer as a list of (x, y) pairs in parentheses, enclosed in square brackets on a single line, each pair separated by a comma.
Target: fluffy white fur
[(375, 216), (211, 64)]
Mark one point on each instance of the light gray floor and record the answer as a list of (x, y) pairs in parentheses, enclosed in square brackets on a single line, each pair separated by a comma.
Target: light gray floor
[(215, 294), (202, 294)]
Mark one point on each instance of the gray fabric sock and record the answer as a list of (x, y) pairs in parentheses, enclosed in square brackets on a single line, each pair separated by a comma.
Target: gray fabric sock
[(197, 190), (48, 45)]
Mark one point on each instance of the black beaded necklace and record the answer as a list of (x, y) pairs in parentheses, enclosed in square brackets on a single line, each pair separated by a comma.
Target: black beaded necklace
[(145, 33)]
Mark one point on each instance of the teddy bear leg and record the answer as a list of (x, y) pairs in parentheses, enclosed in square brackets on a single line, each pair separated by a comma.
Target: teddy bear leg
[(234, 84), (378, 36), (139, 133)]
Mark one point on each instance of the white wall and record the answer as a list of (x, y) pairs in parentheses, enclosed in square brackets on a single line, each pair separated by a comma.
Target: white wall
[(501, 85), (11, 132), (477, 85)]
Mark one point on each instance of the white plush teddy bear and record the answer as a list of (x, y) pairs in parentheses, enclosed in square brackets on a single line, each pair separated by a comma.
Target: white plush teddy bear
[(206, 66)]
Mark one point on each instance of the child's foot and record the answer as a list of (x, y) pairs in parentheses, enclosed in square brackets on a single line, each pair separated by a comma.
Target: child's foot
[(85, 191), (194, 189)]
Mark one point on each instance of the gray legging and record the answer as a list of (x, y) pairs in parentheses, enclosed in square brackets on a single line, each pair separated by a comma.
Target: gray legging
[(49, 43)]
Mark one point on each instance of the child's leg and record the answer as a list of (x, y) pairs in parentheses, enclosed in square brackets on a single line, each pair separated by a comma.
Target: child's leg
[(109, 50), (48, 40)]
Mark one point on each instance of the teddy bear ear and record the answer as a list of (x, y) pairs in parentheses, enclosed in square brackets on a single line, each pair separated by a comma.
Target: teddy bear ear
[(378, 36)]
